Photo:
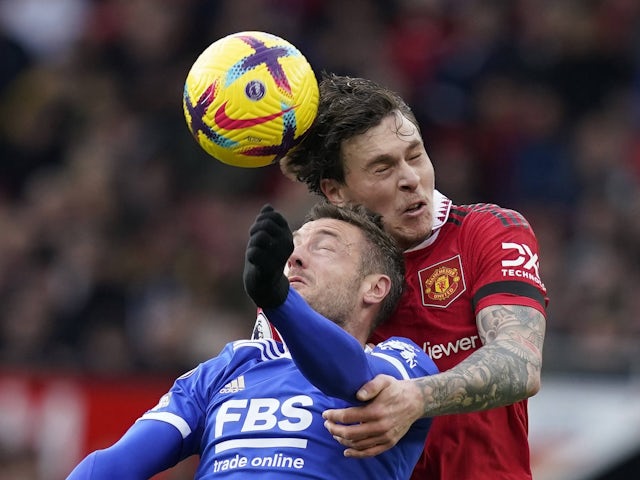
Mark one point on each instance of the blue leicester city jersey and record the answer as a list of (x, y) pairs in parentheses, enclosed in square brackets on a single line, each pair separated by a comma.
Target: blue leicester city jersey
[(250, 413)]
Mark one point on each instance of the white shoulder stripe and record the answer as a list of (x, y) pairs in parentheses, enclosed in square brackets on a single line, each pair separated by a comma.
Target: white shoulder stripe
[(170, 418), (269, 349), (395, 362)]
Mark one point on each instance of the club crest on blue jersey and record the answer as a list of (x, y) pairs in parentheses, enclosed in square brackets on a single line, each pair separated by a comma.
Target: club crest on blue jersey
[(407, 352)]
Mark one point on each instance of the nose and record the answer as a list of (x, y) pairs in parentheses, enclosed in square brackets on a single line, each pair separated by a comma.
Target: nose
[(296, 259), (409, 177)]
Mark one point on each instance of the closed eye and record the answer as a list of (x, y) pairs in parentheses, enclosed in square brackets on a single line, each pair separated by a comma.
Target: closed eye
[(325, 248), (381, 169)]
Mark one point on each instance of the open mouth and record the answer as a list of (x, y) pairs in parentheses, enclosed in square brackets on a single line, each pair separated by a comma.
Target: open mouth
[(415, 207)]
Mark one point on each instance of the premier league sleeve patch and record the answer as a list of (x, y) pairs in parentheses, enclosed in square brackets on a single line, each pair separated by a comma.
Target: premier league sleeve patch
[(263, 329)]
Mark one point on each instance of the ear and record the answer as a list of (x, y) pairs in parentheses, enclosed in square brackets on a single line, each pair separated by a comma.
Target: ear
[(332, 189), (376, 287)]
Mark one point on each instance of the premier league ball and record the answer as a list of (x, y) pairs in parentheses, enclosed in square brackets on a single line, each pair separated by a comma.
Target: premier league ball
[(249, 98)]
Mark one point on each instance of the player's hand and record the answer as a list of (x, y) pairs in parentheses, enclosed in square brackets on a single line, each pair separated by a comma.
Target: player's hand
[(376, 427), (270, 246)]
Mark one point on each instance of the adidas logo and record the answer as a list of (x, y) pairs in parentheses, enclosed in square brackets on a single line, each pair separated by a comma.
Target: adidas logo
[(234, 385)]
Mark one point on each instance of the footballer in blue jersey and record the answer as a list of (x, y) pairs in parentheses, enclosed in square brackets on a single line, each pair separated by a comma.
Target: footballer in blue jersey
[(255, 410), (250, 413)]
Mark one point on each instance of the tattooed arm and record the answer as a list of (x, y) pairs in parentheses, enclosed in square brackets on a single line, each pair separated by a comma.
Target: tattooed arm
[(504, 370)]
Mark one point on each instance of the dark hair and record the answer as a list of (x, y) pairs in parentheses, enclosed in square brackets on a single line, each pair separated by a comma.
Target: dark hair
[(381, 253), (348, 107)]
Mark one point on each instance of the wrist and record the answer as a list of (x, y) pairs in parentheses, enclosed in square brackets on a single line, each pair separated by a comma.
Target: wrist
[(278, 294)]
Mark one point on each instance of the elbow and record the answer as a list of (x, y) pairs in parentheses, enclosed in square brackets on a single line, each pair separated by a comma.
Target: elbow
[(533, 387), (534, 383)]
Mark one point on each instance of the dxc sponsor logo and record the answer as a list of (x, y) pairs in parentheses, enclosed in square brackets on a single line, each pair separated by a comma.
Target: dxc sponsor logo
[(261, 414), (524, 258)]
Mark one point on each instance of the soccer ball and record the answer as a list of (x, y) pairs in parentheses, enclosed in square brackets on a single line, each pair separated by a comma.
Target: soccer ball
[(249, 98)]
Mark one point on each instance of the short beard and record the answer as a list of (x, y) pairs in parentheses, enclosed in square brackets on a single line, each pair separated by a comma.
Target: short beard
[(340, 305)]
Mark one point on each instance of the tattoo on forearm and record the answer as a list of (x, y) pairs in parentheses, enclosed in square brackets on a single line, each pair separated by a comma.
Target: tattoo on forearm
[(504, 371)]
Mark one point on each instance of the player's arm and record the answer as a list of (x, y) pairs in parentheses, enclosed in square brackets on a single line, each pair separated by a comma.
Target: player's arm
[(329, 357), (505, 370), (147, 448), (332, 359)]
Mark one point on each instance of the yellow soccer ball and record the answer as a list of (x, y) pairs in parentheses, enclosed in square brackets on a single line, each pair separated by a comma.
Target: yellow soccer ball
[(249, 98)]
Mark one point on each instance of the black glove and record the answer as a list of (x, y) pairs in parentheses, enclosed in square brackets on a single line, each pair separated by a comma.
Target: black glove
[(270, 246)]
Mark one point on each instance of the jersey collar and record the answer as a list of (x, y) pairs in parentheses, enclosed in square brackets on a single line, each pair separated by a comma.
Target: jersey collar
[(441, 209)]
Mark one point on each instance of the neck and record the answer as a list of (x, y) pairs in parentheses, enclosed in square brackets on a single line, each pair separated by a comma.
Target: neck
[(359, 329)]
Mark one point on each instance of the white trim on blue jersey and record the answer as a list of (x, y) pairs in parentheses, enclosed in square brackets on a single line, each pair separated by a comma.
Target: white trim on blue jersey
[(269, 425)]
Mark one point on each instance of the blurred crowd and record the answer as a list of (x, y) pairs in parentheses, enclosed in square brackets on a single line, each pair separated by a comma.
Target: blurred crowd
[(122, 242)]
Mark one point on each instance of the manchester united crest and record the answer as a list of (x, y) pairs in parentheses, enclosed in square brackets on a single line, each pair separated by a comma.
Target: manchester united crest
[(442, 283)]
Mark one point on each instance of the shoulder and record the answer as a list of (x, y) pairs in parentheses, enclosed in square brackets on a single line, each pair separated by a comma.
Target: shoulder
[(239, 354), (405, 356), (397, 344), (235, 358), (487, 215), (264, 348)]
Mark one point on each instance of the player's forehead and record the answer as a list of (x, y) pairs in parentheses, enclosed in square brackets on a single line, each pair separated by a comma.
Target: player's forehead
[(327, 228), (394, 132)]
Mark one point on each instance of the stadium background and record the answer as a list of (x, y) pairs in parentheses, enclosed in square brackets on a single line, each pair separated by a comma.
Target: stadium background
[(121, 242)]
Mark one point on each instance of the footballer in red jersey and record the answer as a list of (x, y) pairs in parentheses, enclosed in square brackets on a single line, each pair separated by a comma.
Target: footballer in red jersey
[(478, 255), (474, 298)]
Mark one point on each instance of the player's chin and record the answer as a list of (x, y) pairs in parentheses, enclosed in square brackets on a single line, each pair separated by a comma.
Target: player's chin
[(409, 236), (308, 294), (297, 285)]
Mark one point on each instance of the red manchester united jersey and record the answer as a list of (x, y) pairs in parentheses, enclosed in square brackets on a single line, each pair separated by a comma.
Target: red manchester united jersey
[(478, 255)]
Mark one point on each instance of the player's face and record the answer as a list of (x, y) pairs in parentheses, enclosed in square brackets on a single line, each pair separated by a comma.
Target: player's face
[(387, 169), (325, 267)]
